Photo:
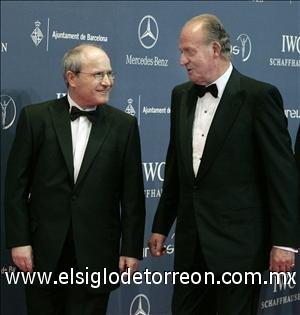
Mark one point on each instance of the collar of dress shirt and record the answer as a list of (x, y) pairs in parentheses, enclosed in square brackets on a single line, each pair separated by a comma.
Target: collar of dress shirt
[(72, 103), (222, 80)]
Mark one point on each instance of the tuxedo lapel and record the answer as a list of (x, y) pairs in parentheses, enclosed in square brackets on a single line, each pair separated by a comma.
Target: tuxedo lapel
[(187, 113), (62, 126), (224, 118), (98, 133)]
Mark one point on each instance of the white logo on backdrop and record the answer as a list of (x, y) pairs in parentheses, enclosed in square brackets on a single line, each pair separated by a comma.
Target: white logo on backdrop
[(37, 35), (290, 46), (148, 31), (244, 49), (246, 46), (147, 110), (4, 47), (140, 305), (290, 43), (8, 111), (129, 108)]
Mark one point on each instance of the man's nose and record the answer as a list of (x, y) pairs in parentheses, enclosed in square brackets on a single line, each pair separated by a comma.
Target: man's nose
[(183, 60), (106, 80)]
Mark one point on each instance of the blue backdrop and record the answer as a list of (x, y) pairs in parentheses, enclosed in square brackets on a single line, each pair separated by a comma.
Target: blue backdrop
[(34, 36)]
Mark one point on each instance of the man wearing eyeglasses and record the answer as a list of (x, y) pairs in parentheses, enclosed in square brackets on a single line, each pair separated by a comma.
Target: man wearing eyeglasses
[(74, 191)]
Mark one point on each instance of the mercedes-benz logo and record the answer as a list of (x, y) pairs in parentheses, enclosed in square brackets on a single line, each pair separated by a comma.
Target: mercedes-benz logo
[(140, 305), (148, 31), (246, 46), (8, 111)]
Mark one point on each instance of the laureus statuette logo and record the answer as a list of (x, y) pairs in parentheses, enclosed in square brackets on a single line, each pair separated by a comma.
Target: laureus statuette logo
[(246, 46), (8, 111)]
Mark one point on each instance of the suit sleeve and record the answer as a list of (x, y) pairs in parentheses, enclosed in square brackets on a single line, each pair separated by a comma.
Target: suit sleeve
[(167, 208), (17, 185), (133, 199), (280, 168)]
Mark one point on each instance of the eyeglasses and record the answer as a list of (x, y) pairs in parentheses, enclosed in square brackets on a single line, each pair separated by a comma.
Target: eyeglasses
[(99, 76)]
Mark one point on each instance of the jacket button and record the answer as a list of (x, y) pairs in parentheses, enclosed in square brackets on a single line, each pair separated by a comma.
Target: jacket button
[(74, 198)]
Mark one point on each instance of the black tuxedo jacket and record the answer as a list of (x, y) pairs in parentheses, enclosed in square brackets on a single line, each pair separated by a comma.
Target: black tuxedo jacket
[(297, 149), (243, 199), (42, 200), (297, 155)]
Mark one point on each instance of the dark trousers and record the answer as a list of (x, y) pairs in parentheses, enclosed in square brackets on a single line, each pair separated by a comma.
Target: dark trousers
[(59, 299), (212, 299)]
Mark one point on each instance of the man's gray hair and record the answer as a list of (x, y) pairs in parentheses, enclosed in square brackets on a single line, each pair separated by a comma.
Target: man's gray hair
[(215, 32), (72, 59)]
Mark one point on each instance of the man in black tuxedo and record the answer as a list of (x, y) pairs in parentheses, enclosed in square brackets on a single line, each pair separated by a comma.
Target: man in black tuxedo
[(297, 148), (74, 189), (229, 179), (297, 155)]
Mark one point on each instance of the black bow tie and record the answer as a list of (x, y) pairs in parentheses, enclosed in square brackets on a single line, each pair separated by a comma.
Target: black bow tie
[(76, 112), (212, 89)]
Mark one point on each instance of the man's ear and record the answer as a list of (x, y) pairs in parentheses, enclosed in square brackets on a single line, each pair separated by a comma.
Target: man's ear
[(71, 78), (216, 49)]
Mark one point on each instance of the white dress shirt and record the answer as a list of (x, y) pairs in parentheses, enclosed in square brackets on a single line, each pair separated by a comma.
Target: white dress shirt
[(204, 114), (80, 128)]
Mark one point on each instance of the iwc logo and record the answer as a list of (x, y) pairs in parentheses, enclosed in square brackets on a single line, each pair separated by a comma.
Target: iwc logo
[(129, 108), (148, 31), (8, 111), (37, 35), (140, 305), (290, 51), (245, 47)]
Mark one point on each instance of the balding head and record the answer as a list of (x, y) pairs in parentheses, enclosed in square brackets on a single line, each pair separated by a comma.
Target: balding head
[(74, 59), (213, 30)]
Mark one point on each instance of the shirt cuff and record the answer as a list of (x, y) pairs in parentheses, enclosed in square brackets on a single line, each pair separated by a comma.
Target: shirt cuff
[(287, 248)]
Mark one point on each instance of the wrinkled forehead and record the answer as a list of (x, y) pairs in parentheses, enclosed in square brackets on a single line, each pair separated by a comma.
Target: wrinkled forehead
[(192, 34), (93, 53), (94, 56), (194, 30)]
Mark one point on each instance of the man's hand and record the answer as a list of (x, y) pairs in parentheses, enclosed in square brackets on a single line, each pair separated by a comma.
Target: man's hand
[(281, 260), (23, 258), (128, 262), (156, 244)]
